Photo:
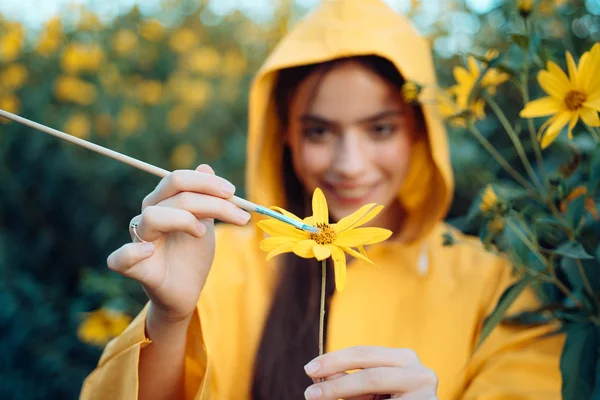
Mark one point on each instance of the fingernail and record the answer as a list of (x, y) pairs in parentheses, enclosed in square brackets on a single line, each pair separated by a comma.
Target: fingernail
[(147, 248), (313, 392), (228, 187), (312, 367), (242, 215)]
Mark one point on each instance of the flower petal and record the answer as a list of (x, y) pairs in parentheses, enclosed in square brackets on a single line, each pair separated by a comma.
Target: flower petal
[(286, 248), (339, 262), (319, 206), (274, 242), (321, 252), (572, 123), (304, 248), (554, 129), (553, 85), (541, 108), (590, 82), (572, 69), (356, 254), (562, 80), (274, 227), (359, 217), (594, 104), (361, 236), (589, 116)]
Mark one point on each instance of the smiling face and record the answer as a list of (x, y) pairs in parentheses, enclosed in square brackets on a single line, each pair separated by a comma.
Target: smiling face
[(350, 134)]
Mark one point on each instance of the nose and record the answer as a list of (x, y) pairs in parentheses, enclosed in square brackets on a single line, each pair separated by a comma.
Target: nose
[(351, 156)]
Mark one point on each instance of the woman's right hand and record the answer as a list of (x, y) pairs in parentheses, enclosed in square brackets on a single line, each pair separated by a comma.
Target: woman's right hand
[(178, 219)]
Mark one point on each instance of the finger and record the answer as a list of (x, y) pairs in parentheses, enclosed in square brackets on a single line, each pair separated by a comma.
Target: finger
[(202, 180), (206, 206), (380, 380), (425, 394), (205, 168), (360, 357), (329, 378), (155, 221), (122, 259)]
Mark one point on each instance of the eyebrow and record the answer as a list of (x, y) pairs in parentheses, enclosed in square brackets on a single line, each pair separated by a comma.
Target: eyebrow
[(372, 118)]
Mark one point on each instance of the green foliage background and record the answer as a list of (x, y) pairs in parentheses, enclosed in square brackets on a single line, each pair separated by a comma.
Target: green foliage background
[(64, 209)]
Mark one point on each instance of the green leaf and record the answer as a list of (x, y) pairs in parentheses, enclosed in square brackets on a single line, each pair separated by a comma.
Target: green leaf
[(572, 249), (575, 211), (596, 394), (521, 40), (506, 300), (578, 361), (594, 171)]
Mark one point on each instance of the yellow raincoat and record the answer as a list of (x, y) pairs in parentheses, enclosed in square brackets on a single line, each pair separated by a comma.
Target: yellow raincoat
[(422, 295)]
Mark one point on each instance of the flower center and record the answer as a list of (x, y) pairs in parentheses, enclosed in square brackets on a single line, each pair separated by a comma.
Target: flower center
[(326, 236), (574, 100)]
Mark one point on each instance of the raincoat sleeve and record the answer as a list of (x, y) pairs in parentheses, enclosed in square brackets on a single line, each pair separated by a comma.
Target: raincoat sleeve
[(116, 375), (515, 362)]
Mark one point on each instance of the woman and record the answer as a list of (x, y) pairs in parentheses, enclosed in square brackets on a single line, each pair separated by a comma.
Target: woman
[(222, 323)]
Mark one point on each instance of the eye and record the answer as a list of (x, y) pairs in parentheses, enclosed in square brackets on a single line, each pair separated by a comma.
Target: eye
[(382, 131), (316, 133)]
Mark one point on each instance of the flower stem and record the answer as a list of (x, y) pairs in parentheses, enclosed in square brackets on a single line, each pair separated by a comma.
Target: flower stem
[(498, 157), (322, 313), (514, 138)]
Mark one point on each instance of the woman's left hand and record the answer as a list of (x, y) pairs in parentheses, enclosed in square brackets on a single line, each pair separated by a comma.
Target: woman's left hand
[(383, 373)]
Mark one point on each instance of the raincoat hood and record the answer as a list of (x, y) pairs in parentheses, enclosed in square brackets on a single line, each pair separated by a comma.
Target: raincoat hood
[(345, 28)]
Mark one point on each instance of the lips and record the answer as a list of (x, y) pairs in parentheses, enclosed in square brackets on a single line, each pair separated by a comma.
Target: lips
[(351, 193)]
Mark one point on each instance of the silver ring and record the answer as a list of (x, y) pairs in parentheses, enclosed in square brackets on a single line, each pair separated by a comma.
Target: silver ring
[(134, 225)]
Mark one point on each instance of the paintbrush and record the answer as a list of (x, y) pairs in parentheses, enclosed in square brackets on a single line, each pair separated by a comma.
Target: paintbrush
[(160, 172)]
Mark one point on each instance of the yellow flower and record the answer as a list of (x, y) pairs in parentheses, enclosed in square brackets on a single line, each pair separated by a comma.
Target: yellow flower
[(88, 21), (78, 125), (489, 199), (204, 61), (150, 91), (14, 76), (234, 64), (69, 88), (125, 42), (195, 93), (333, 239), (496, 225), (525, 7), (183, 156), (183, 40), (491, 54), (410, 92), (110, 78), (11, 43), (51, 38), (152, 30), (466, 78), (102, 325), (104, 125), (10, 103), (457, 114), (130, 120), (179, 118), (570, 98), (80, 57)]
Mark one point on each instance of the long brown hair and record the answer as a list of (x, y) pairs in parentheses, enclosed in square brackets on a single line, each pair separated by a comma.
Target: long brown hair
[(290, 335)]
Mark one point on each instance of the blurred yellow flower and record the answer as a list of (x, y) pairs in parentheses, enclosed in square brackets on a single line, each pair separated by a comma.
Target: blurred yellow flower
[(51, 37), (489, 199), (496, 225), (570, 98), (10, 103), (125, 41), (410, 92), (79, 57), (146, 57), (11, 42), (491, 54), (195, 93), (234, 64), (152, 30), (205, 61), (70, 88), (455, 111), (102, 325), (78, 125), (466, 78), (104, 125), (88, 21), (183, 156), (179, 118), (150, 92), (130, 120), (13, 77), (183, 40), (525, 7)]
